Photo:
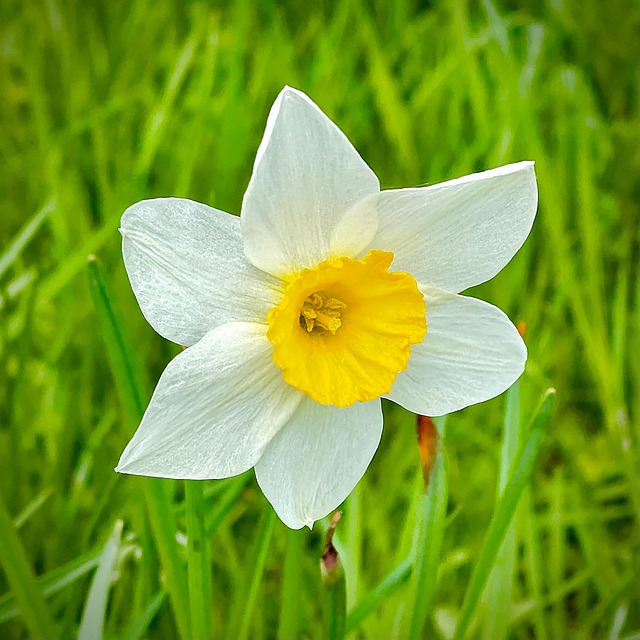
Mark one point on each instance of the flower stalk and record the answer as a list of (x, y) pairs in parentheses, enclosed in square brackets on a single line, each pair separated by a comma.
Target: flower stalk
[(198, 562)]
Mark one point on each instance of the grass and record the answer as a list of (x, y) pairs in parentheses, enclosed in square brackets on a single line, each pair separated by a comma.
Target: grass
[(106, 103)]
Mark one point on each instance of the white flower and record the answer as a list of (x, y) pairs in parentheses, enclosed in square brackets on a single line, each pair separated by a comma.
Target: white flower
[(303, 312)]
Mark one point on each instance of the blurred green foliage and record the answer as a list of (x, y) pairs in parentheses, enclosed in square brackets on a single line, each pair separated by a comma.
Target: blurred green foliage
[(107, 103)]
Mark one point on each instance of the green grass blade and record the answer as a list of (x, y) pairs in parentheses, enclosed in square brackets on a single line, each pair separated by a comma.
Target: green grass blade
[(53, 582), (20, 576), (372, 600), (499, 586), (13, 250), (289, 619), (126, 370), (505, 508), (556, 559), (140, 625), (156, 124), (198, 561), (92, 623), (130, 388), (75, 263), (27, 513), (533, 561), (257, 565), (432, 525), (226, 502)]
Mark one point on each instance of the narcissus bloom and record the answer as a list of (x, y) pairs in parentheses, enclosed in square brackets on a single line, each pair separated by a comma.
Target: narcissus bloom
[(326, 295)]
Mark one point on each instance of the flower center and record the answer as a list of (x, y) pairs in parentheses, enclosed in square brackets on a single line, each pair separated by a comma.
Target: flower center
[(321, 313), (344, 329)]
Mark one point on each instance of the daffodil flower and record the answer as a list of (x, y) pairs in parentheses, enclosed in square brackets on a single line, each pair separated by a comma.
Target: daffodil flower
[(323, 297)]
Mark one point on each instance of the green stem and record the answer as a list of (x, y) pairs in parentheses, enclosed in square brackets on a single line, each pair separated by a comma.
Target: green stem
[(198, 562), (335, 598), (22, 581), (290, 602)]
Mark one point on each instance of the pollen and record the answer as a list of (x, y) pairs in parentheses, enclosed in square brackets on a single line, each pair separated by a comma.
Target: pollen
[(343, 330), (321, 313)]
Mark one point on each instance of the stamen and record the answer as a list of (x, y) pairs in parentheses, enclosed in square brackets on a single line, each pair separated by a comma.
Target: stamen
[(320, 313)]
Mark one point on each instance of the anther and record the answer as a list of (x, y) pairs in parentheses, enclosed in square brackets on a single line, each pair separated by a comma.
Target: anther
[(321, 313)]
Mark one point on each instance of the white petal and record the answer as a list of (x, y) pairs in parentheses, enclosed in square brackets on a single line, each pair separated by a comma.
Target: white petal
[(215, 408), (188, 269), (306, 178), (317, 458), (460, 233), (472, 352)]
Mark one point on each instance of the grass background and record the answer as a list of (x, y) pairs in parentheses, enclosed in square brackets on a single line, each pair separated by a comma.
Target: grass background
[(107, 103)]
